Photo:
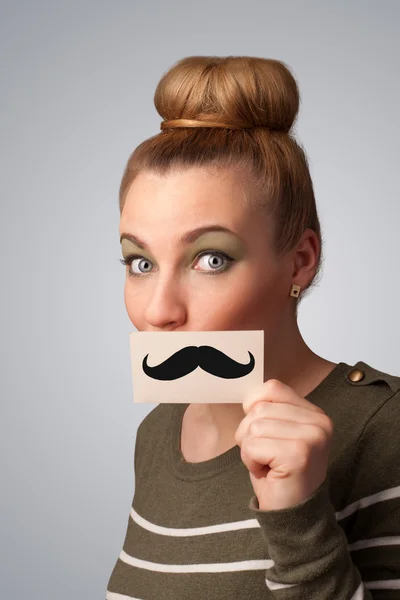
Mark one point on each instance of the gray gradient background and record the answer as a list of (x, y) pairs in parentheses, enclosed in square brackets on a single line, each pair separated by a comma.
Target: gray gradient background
[(77, 85)]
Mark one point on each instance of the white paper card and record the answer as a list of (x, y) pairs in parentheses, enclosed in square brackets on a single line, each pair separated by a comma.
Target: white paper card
[(196, 366)]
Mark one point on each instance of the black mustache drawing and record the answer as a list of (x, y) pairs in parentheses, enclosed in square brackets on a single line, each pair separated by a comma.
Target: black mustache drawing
[(207, 358)]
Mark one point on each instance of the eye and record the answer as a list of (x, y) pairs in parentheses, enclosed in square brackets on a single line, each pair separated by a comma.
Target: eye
[(215, 260), (144, 264)]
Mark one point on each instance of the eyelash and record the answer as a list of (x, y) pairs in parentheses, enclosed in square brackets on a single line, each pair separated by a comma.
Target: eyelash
[(128, 261)]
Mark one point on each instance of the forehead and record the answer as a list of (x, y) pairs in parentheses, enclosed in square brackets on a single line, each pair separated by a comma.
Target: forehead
[(186, 198)]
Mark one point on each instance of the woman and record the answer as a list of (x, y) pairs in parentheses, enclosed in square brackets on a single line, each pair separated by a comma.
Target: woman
[(296, 492)]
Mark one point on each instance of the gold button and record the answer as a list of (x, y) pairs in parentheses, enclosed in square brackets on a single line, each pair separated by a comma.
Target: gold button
[(356, 375)]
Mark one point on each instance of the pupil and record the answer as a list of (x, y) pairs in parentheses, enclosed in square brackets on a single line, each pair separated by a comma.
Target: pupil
[(214, 261)]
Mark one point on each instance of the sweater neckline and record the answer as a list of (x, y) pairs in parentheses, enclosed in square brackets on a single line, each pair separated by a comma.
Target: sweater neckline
[(208, 468)]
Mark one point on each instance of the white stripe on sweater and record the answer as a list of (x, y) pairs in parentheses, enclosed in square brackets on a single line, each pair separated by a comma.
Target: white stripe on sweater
[(379, 541), (253, 523), (189, 531), (272, 585), (388, 494), (389, 584), (359, 594), (241, 565), (115, 596)]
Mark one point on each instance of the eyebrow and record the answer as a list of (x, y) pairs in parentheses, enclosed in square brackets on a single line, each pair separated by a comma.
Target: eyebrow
[(187, 238)]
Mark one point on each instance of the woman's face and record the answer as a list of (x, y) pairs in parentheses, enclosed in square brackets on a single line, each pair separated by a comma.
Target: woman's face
[(183, 277)]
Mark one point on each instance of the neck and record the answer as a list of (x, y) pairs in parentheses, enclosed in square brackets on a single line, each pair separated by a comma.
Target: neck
[(291, 361)]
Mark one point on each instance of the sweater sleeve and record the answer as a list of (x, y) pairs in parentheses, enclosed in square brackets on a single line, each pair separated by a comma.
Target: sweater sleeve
[(315, 558)]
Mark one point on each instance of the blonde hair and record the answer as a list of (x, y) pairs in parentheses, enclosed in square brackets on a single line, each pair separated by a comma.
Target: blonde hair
[(257, 99)]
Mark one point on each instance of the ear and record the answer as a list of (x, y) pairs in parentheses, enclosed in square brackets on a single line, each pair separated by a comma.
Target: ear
[(306, 257)]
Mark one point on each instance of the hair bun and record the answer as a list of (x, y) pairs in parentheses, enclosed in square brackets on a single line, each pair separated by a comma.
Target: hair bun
[(242, 91)]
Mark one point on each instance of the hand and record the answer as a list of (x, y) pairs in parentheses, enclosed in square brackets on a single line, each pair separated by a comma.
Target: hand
[(285, 443)]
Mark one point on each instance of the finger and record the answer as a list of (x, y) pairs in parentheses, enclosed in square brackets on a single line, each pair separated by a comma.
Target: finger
[(283, 412), (274, 390), (288, 430), (260, 455), (286, 412)]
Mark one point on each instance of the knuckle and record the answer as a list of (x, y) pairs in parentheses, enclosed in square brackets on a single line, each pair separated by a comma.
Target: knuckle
[(302, 453), (319, 437), (273, 384), (329, 424), (259, 408), (255, 427), (247, 447), (326, 424), (301, 448)]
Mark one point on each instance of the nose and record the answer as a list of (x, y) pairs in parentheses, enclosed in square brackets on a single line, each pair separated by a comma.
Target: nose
[(166, 307)]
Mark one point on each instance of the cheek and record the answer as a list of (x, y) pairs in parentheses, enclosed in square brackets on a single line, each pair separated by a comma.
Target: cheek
[(250, 301), (134, 304)]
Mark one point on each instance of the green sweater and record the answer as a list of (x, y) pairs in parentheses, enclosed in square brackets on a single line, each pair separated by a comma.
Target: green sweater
[(195, 530)]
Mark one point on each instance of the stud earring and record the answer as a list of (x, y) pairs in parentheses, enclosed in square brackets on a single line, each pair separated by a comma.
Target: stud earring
[(295, 291)]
